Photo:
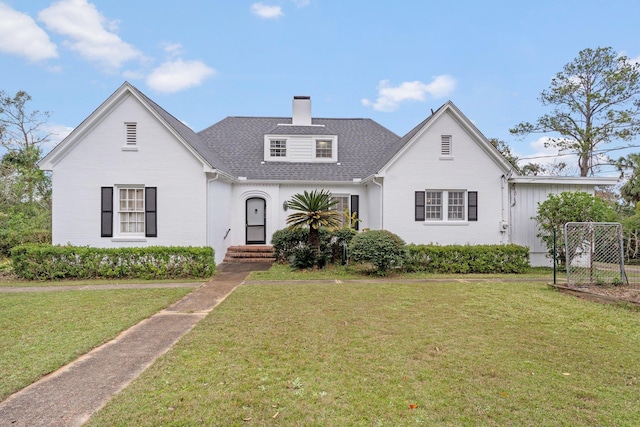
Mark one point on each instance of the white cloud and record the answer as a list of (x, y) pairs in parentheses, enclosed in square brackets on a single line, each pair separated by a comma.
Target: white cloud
[(266, 12), (548, 156), (20, 35), (174, 76), (90, 34), (390, 97), (56, 133), (172, 49)]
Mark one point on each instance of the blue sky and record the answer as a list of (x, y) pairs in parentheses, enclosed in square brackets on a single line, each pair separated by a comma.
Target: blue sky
[(390, 61)]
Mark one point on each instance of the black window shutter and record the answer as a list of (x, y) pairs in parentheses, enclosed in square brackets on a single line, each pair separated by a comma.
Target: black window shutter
[(420, 204), (473, 205), (150, 212), (355, 208), (106, 210)]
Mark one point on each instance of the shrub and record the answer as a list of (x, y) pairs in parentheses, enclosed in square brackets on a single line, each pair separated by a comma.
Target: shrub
[(467, 258), (46, 262), (303, 257), (381, 248), (287, 243)]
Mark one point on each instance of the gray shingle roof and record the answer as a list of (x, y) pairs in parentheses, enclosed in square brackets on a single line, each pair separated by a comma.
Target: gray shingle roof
[(192, 138), (238, 142)]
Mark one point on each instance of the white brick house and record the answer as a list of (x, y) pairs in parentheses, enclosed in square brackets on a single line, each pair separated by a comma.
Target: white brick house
[(132, 174)]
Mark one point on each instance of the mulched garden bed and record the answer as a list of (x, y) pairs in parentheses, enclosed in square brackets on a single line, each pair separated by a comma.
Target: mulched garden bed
[(603, 294)]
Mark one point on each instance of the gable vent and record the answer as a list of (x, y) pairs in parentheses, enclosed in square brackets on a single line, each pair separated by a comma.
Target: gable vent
[(445, 145), (131, 133)]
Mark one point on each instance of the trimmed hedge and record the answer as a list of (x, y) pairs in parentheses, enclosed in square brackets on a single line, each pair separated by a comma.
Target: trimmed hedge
[(467, 259), (47, 262)]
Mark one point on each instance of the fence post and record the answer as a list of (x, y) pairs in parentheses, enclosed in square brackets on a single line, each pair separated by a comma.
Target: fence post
[(555, 257)]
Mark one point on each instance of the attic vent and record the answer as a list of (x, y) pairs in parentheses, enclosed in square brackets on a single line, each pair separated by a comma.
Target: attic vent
[(445, 146), (131, 134)]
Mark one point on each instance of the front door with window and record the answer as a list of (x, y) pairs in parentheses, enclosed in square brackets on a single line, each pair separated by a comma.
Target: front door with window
[(255, 221)]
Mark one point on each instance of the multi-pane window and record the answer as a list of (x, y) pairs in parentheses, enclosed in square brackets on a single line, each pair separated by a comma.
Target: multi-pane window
[(433, 205), (456, 206), (445, 145), (131, 210), (278, 148), (446, 205), (324, 148)]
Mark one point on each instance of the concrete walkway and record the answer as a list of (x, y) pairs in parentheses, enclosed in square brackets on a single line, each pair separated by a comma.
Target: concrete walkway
[(70, 395)]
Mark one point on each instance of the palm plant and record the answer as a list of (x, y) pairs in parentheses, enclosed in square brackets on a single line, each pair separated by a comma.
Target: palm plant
[(314, 210)]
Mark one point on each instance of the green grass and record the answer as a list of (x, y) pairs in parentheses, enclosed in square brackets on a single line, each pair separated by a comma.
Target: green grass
[(338, 272), (13, 282), (40, 332), (465, 354)]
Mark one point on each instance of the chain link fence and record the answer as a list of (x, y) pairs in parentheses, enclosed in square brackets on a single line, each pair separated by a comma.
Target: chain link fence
[(594, 255)]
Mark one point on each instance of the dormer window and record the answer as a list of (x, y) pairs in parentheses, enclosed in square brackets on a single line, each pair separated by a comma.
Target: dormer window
[(324, 148), (296, 148), (278, 147)]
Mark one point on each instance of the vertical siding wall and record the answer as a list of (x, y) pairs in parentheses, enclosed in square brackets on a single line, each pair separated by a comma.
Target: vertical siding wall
[(421, 168), (524, 200), (99, 161)]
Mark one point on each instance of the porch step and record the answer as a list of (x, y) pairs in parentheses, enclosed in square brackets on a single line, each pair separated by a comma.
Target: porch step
[(249, 253)]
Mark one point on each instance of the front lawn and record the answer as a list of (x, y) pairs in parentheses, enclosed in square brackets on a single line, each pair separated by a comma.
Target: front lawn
[(40, 332), (394, 354), (280, 271)]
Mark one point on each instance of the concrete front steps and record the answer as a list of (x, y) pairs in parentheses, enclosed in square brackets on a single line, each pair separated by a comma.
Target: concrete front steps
[(249, 253)]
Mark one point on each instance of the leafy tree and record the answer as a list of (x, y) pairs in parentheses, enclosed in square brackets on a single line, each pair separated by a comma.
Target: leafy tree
[(25, 190), (630, 166), (506, 152), (595, 99), (565, 207), (531, 168), (314, 210)]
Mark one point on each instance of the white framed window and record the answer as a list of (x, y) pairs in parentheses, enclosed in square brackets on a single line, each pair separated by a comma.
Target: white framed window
[(131, 133), (278, 148), (445, 146), (433, 205), (131, 211), (446, 206), (324, 149), (455, 206)]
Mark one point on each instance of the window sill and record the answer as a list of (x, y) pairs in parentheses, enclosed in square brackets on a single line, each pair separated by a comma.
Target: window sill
[(446, 157), (129, 239), (129, 148), (446, 223)]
